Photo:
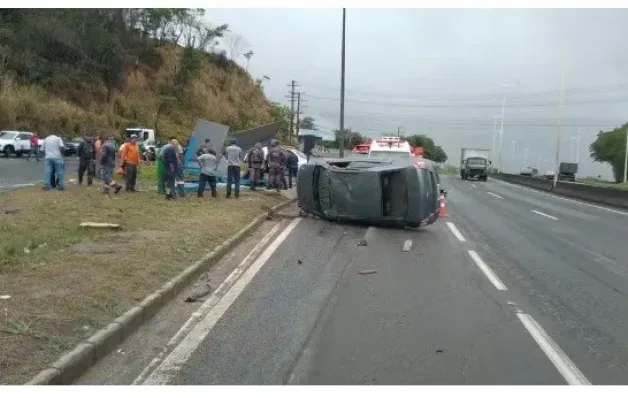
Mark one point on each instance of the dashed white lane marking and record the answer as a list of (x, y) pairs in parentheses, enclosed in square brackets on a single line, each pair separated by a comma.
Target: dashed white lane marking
[(474, 186), (455, 231), (183, 351), (556, 355), (495, 195), (487, 271), (544, 215), (623, 213)]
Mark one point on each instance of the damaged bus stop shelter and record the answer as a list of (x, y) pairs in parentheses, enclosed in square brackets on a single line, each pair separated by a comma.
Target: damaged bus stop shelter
[(217, 133)]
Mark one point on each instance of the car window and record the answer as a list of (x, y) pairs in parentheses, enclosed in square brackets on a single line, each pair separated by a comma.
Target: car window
[(23, 136), (8, 136)]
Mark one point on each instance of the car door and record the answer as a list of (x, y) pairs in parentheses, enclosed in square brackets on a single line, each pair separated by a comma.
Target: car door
[(23, 142)]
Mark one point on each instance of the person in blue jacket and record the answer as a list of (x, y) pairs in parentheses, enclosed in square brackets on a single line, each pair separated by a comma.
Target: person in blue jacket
[(292, 164)]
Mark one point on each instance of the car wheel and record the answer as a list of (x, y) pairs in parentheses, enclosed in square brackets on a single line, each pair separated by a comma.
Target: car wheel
[(8, 151)]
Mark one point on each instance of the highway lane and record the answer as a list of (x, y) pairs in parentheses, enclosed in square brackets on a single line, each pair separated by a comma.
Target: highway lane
[(565, 262), (320, 308), (15, 172)]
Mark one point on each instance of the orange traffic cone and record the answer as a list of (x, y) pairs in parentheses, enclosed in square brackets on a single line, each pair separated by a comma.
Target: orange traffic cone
[(442, 210)]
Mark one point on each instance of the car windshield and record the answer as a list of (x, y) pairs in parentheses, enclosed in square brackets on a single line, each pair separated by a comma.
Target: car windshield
[(476, 162), (389, 155), (136, 132), (8, 136)]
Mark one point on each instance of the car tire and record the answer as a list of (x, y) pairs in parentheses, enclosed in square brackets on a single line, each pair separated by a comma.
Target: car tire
[(8, 151)]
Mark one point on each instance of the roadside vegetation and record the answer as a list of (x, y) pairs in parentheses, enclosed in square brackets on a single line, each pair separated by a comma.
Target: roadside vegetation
[(610, 147), (78, 71), (65, 282), (602, 183)]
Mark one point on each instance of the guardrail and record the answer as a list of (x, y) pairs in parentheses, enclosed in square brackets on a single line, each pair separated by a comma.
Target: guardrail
[(601, 195)]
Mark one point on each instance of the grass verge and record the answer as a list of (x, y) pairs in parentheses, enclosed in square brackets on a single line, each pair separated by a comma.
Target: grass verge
[(601, 183), (66, 282)]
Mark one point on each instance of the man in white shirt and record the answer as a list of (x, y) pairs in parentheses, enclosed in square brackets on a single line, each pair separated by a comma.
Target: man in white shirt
[(53, 159)]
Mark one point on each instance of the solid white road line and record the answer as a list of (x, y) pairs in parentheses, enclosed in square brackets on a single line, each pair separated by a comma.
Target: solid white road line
[(544, 215), (455, 231), (183, 351), (206, 306), (487, 271), (623, 213), (495, 195), (561, 361)]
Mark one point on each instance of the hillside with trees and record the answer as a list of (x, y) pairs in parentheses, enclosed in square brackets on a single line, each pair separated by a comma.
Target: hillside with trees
[(76, 71)]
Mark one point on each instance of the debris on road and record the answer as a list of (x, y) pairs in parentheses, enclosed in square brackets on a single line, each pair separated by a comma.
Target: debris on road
[(299, 262), (368, 272), (199, 294), (99, 225), (362, 242), (407, 245)]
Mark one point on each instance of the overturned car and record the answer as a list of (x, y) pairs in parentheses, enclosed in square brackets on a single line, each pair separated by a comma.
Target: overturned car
[(381, 192)]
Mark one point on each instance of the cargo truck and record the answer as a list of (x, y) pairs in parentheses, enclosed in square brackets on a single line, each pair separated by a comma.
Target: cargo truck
[(567, 171), (474, 163)]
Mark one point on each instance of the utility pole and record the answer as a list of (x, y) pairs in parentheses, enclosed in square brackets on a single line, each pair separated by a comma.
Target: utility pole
[(626, 159), (494, 138), (501, 131), (298, 112), (559, 124), (293, 85), (580, 130), (341, 133)]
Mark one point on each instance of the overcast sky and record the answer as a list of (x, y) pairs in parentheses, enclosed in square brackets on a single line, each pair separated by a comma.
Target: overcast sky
[(442, 73)]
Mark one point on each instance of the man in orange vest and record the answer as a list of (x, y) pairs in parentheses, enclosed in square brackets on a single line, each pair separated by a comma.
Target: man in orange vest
[(97, 147), (130, 160)]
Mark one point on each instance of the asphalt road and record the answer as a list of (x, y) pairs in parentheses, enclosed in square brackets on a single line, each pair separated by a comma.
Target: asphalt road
[(16, 172), (513, 287)]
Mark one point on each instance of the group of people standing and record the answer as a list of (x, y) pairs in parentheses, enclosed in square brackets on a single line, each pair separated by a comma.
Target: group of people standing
[(275, 163), (97, 158)]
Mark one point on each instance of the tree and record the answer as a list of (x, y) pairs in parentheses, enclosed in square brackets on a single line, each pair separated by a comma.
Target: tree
[(352, 138), (610, 147), (307, 123), (237, 45), (282, 113), (248, 56), (430, 149)]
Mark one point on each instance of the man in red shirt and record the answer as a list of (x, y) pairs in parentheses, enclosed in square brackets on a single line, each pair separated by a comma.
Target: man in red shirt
[(34, 147)]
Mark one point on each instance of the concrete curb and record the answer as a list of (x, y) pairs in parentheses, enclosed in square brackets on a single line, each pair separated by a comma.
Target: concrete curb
[(73, 364)]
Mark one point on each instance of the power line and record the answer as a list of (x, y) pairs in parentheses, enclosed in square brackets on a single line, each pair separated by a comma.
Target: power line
[(470, 106), (481, 123), (602, 89)]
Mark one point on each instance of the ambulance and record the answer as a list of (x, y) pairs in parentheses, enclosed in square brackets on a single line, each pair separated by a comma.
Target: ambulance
[(390, 147)]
